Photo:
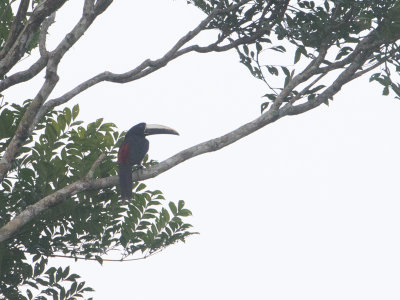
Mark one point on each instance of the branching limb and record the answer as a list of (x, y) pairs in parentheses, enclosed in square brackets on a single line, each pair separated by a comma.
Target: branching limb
[(306, 89), (29, 120), (370, 41), (43, 34), (12, 55), (25, 75), (16, 27), (360, 73), (309, 71), (346, 76)]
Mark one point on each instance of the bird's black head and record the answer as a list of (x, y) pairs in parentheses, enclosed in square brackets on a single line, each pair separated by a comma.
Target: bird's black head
[(143, 129), (138, 129)]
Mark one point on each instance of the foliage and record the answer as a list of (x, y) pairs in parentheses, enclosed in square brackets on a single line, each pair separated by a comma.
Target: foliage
[(89, 225), (6, 17), (306, 27)]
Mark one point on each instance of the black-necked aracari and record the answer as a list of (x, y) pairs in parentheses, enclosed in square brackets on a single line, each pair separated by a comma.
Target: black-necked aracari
[(132, 152)]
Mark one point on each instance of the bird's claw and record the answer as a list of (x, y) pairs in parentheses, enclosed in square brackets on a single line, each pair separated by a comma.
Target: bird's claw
[(138, 167)]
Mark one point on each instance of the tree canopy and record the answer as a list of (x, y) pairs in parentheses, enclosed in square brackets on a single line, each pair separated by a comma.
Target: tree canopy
[(58, 174)]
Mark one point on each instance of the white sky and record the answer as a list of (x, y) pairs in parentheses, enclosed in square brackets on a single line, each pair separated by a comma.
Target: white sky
[(306, 208)]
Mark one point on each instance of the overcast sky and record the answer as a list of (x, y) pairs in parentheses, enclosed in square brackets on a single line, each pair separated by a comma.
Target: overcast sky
[(306, 208)]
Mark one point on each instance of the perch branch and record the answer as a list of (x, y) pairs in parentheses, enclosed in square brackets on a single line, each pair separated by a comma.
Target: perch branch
[(272, 115)]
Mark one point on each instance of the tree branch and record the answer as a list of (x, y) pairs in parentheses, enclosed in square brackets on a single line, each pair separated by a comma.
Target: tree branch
[(22, 76), (95, 165), (107, 259)]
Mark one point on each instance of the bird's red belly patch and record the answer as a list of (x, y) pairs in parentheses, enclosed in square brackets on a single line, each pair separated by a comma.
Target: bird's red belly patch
[(123, 154)]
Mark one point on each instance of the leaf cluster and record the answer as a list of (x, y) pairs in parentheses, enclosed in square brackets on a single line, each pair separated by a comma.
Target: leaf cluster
[(90, 225), (6, 18), (336, 26)]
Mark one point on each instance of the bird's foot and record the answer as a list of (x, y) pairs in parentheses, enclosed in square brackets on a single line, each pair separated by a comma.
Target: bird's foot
[(138, 167)]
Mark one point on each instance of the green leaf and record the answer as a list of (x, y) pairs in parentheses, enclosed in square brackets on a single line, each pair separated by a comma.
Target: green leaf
[(67, 115), (173, 208), (258, 47), (297, 55), (75, 111), (270, 96), (73, 287), (264, 106), (99, 259), (181, 204), (61, 122), (286, 71), (76, 123), (185, 212), (280, 49), (385, 91), (140, 187), (246, 49), (273, 70), (65, 272), (326, 4), (73, 277)]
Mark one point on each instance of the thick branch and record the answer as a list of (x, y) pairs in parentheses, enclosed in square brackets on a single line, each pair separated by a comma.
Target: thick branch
[(22, 76)]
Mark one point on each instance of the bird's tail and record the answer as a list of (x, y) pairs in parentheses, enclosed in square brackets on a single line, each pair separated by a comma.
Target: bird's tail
[(125, 181)]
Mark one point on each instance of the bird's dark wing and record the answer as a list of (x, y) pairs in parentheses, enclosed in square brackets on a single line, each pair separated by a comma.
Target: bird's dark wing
[(138, 150)]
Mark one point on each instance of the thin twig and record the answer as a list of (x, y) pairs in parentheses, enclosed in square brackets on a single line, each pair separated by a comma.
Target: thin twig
[(95, 165), (107, 259)]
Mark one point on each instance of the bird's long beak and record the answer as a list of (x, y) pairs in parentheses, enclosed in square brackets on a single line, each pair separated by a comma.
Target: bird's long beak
[(158, 129)]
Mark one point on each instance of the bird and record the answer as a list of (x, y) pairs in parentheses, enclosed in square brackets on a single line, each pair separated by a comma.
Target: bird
[(132, 151)]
